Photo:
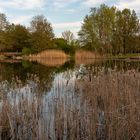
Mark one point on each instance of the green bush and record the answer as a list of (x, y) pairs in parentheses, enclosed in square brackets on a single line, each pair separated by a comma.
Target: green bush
[(62, 44), (26, 51)]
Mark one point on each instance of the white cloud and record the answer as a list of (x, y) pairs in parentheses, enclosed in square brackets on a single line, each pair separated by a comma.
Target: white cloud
[(22, 4), (18, 5), (23, 19), (2, 10), (67, 25), (70, 10), (91, 3), (63, 3), (131, 4), (73, 30), (74, 27), (121, 4)]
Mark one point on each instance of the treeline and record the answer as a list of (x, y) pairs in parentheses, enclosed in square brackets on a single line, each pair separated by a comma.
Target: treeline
[(19, 38), (104, 29), (110, 30), (36, 38)]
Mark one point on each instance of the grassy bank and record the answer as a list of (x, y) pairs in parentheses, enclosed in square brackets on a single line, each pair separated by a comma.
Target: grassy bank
[(2, 57), (80, 56), (83, 54), (50, 54), (126, 56)]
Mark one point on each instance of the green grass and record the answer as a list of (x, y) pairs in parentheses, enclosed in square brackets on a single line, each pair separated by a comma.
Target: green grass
[(129, 55), (2, 57)]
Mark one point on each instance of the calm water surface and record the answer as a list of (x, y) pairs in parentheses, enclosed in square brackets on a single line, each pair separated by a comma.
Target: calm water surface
[(98, 100)]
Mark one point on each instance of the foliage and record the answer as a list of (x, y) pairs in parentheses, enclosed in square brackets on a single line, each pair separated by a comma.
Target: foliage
[(109, 30), (26, 51), (41, 33), (18, 37), (105, 29), (62, 44), (127, 28)]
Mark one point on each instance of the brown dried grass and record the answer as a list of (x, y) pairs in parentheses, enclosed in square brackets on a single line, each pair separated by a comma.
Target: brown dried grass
[(49, 58), (50, 54), (82, 54), (102, 106)]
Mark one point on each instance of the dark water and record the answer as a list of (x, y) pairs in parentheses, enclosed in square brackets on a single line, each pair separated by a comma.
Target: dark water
[(70, 101)]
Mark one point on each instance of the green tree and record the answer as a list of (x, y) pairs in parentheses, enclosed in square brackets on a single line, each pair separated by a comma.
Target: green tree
[(42, 33), (62, 44), (130, 27), (96, 32), (18, 37), (126, 29), (87, 35), (109, 30)]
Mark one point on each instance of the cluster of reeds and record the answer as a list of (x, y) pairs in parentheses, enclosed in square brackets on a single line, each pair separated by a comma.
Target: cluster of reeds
[(83, 54), (49, 58), (58, 57), (104, 106), (49, 54), (112, 101)]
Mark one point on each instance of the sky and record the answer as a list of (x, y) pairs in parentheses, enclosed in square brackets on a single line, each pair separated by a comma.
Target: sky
[(63, 14)]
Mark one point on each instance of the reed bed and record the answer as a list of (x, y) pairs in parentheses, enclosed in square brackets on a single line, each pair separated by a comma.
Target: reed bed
[(49, 58), (113, 101), (79, 106), (83, 54), (55, 54), (58, 57)]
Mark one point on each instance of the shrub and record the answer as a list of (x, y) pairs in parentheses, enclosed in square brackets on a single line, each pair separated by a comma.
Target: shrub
[(26, 51)]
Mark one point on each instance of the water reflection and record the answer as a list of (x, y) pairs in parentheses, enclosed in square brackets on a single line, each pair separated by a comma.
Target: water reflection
[(94, 101)]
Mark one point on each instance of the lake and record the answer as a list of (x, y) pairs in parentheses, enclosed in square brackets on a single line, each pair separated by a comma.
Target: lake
[(72, 100)]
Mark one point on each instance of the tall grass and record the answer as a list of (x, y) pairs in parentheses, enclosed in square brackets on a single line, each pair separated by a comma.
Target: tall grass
[(102, 106), (49, 54), (82, 54), (49, 58), (58, 57)]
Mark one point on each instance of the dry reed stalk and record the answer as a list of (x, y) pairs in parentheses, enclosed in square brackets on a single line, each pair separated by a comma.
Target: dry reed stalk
[(116, 94), (50, 58), (105, 106), (50, 54), (82, 54)]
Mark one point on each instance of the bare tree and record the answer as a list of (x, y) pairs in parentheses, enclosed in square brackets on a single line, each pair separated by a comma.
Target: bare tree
[(68, 36)]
